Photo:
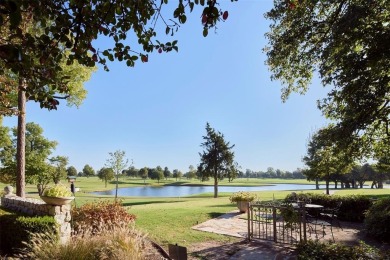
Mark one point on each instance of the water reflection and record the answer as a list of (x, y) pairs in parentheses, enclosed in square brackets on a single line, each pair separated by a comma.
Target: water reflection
[(180, 191)]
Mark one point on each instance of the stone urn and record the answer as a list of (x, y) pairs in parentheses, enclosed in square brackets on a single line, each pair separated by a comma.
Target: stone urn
[(57, 201), (243, 206)]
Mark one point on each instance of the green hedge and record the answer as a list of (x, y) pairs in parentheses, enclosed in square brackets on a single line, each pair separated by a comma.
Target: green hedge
[(332, 251), (353, 207), (15, 228), (377, 221)]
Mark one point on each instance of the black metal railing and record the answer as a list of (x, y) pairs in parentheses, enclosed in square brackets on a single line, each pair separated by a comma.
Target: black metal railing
[(276, 222)]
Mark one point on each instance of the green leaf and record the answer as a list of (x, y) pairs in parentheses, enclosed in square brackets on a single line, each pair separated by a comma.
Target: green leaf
[(202, 2), (183, 19), (205, 31), (191, 6), (167, 30), (197, 2)]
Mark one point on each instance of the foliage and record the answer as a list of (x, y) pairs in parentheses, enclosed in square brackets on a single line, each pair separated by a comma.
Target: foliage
[(88, 171), (58, 190), (117, 162), (352, 208), (99, 215), (106, 174), (334, 251), (346, 43), (71, 171), (16, 229), (242, 196), (157, 174), (38, 149), (58, 169), (290, 216), (324, 159), (120, 242), (63, 36), (217, 160), (377, 219)]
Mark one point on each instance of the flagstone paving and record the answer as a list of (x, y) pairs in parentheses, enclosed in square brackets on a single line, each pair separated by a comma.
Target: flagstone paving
[(235, 224)]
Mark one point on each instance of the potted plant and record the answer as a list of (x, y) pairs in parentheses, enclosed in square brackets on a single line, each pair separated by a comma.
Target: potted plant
[(57, 195), (242, 198)]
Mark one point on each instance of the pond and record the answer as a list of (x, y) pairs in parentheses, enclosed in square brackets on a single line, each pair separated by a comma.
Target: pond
[(181, 191)]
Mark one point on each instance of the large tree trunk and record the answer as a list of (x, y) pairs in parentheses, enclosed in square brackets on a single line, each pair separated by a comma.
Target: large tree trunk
[(215, 186), (327, 187), (40, 189), (21, 141)]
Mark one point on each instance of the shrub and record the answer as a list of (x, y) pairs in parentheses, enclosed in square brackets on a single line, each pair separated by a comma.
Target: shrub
[(352, 207), (15, 229), (242, 196), (333, 251), (58, 190), (100, 214), (119, 242), (378, 219)]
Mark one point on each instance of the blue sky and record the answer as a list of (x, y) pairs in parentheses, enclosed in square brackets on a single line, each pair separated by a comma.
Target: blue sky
[(157, 111)]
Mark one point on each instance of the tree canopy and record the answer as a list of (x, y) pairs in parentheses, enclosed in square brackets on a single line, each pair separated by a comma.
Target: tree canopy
[(346, 43), (38, 150), (69, 29)]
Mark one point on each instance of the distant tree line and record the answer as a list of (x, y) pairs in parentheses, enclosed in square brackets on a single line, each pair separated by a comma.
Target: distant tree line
[(272, 173)]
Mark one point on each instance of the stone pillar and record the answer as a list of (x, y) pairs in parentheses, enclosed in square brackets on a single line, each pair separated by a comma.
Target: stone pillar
[(62, 217)]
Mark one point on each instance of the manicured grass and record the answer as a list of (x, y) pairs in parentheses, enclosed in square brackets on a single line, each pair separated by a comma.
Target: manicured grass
[(169, 220)]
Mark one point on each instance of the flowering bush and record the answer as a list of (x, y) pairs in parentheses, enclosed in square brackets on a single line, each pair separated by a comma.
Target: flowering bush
[(58, 190), (242, 196)]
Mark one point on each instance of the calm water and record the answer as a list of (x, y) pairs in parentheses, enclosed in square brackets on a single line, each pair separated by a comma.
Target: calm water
[(180, 191)]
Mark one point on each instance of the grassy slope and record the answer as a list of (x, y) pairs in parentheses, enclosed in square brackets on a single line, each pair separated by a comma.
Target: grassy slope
[(169, 220)]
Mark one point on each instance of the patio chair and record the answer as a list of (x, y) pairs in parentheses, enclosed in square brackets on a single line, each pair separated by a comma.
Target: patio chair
[(331, 215)]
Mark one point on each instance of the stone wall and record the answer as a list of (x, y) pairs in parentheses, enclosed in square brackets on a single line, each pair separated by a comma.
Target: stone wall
[(36, 207)]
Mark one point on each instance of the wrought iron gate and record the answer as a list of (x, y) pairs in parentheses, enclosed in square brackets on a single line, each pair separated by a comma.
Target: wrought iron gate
[(267, 221)]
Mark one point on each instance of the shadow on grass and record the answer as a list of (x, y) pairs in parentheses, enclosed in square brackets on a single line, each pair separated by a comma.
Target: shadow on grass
[(122, 182), (220, 206), (148, 202), (215, 214)]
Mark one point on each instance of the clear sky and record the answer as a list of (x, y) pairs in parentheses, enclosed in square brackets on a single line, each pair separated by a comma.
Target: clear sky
[(157, 111)]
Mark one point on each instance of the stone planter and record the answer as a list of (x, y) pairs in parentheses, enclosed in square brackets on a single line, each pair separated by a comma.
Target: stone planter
[(58, 201), (242, 206)]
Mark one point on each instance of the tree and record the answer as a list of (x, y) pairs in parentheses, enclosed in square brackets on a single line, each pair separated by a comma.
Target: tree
[(191, 174), (132, 172), (217, 160), (167, 173), (324, 158), (106, 174), (157, 174), (117, 162), (88, 171), (59, 168), (66, 82), (346, 43), (71, 171), (72, 26), (38, 149), (38, 37), (177, 174), (144, 173)]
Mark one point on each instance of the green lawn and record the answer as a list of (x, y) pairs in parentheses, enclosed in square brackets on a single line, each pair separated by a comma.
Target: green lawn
[(169, 220)]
